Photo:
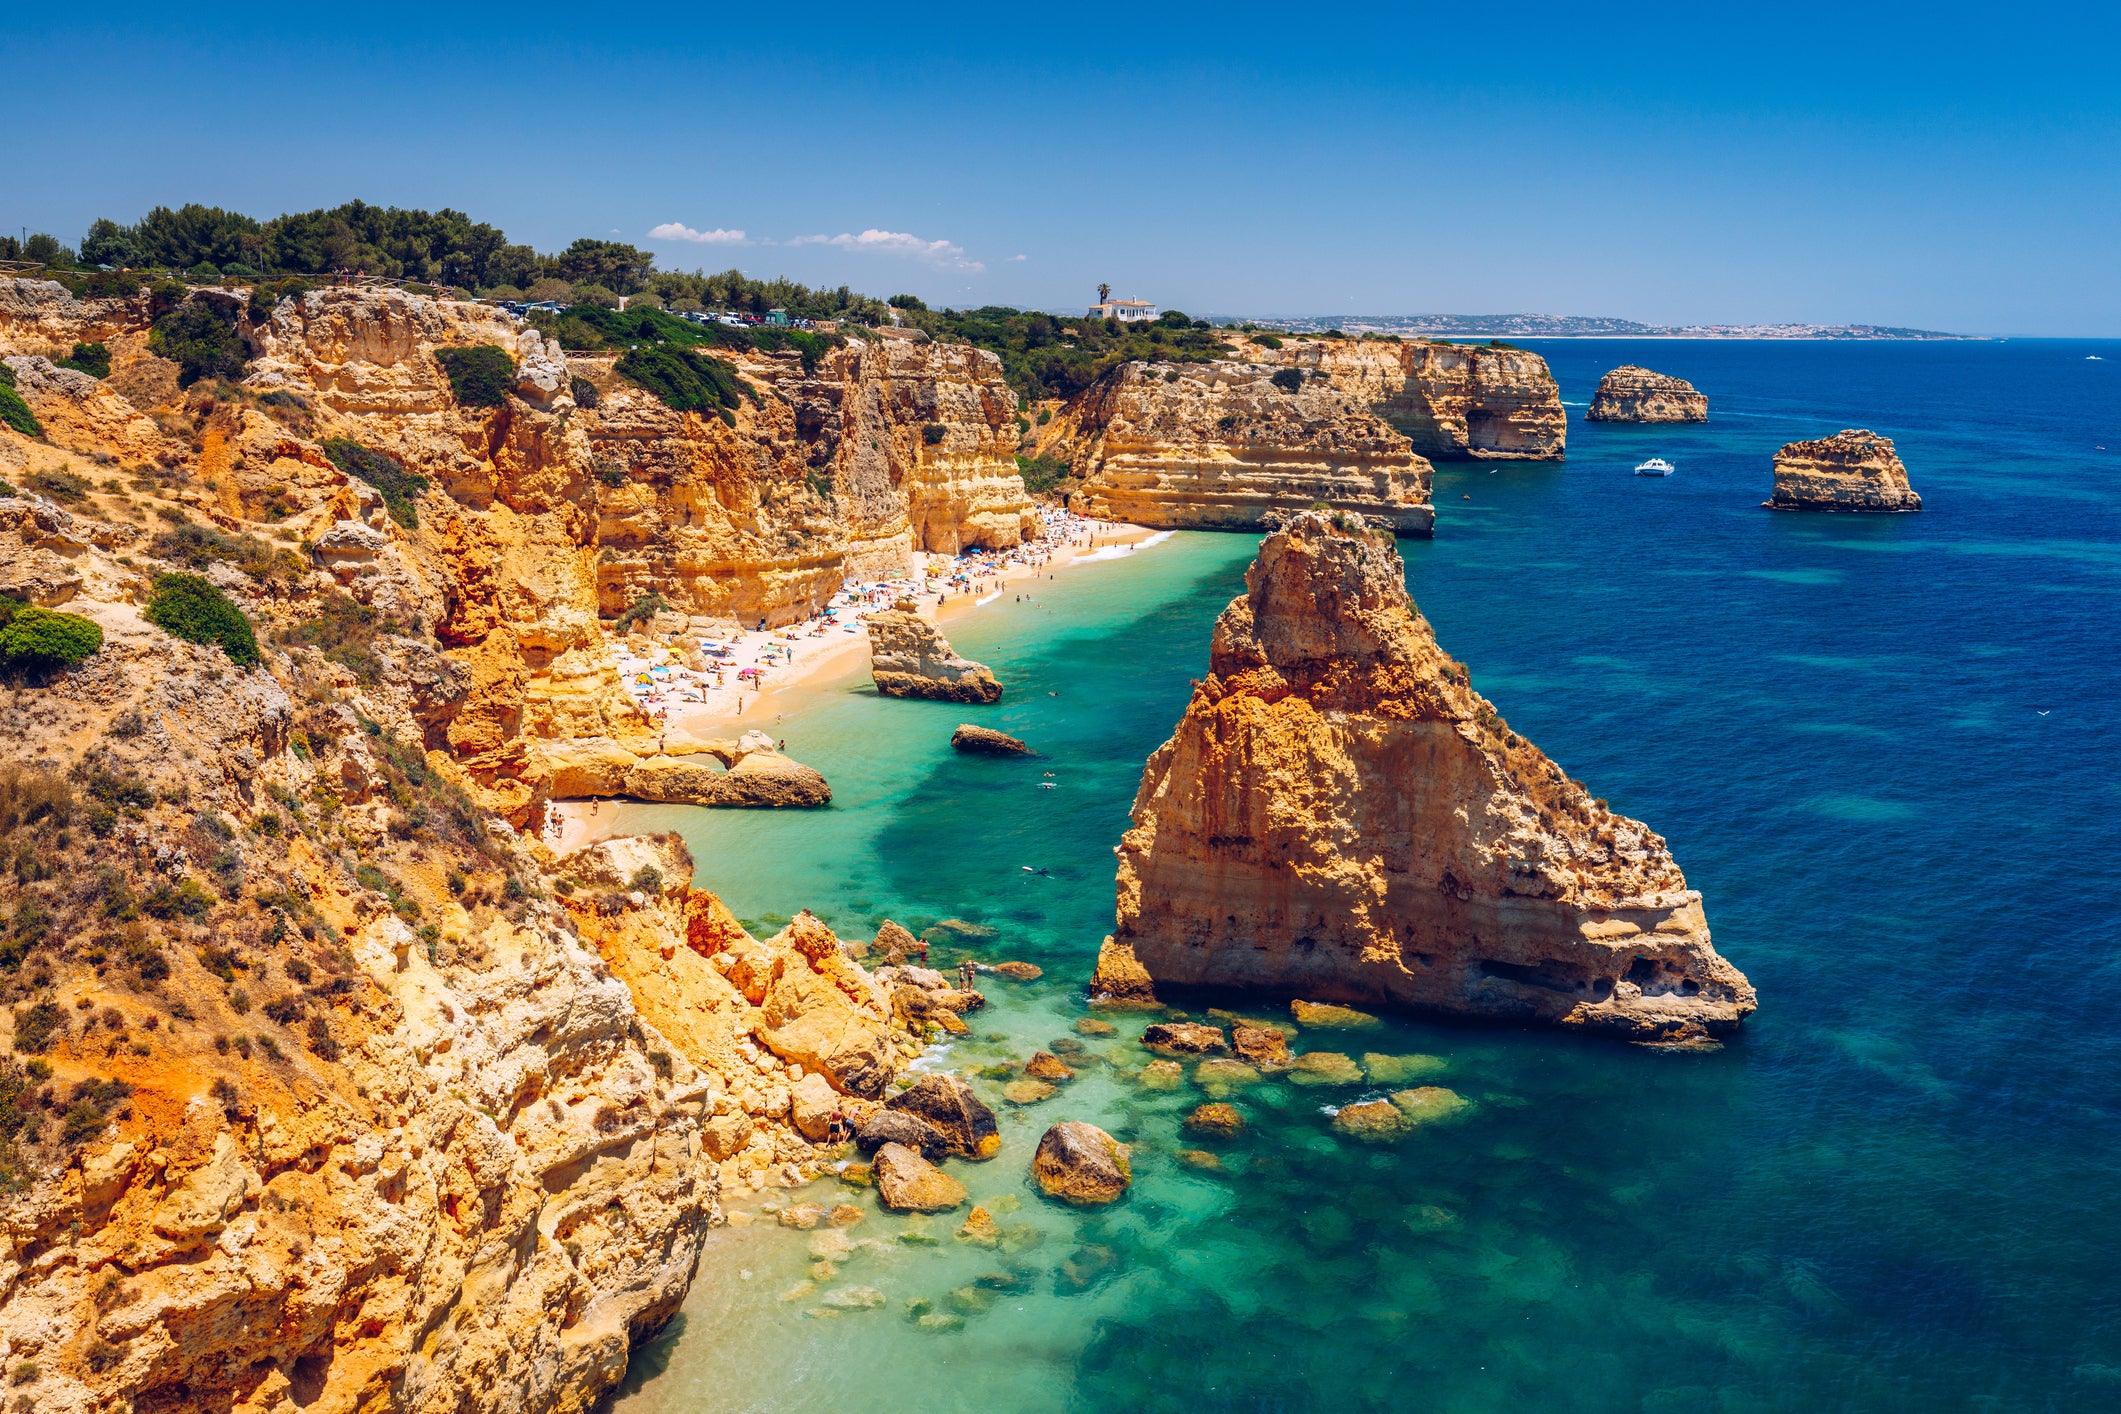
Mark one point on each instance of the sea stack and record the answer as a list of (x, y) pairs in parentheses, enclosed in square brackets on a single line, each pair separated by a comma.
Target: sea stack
[(1634, 394), (909, 657), (1853, 470), (1339, 816)]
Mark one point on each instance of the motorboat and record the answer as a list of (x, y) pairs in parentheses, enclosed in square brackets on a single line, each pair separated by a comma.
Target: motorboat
[(1655, 466)]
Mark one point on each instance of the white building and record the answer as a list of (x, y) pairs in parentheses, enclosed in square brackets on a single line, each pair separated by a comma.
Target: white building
[(1126, 311)]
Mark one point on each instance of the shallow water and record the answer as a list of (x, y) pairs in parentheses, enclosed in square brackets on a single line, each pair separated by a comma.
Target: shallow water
[(1897, 1190)]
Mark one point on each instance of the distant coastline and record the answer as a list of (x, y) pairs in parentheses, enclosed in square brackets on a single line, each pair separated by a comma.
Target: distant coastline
[(1572, 326)]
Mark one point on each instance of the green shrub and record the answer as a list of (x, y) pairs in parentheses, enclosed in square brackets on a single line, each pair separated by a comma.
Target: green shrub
[(59, 485), (585, 393), (480, 375), (346, 630), (382, 471), (201, 340), (196, 546), (685, 379), (597, 295), (37, 1028), (13, 411), (640, 612), (92, 359), (933, 433), (1266, 341), (1289, 380), (1041, 474), (188, 607), (38, 640), (1045, 415)]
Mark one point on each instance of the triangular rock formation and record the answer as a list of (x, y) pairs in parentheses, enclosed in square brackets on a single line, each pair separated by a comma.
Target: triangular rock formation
[(1339, 815)]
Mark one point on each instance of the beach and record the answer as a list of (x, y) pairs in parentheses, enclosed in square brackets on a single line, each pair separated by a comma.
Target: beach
[(759, 679)]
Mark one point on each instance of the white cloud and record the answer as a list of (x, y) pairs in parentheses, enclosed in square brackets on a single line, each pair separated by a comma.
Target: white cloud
[(678, 231), (941, 253), (1014, 258)]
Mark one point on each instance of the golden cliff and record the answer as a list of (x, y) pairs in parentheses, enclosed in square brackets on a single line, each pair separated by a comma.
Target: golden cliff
[(1852, 470), (1221, 446), (510, 532), (1340, 816), (324, 1089), (1455, 402)]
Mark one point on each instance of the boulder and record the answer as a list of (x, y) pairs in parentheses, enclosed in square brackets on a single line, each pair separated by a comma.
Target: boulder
[(1219, 1076), (985, 741), (909, 657), (1401, 1070), (908, 1183), (1331, 1017), (1631, 393), (1853, 470), (1093, 1026), (1018, 971), (725, 1136), (1028, 1092), (1324, 1068), (1263, 1046), (1080, 1163), (1120, 980), (896, 1127), (1215, 1121), (1185, 1038), (894, 944), (811, 1103), (1373, 1121), (1431, 1104), (809, 1020), (1162, 1075), (1044, 1065), (980, 1229), (949, 1104)]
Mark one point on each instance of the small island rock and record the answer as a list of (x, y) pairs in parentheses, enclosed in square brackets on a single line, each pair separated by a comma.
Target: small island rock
[(909, 657), (1853, 470), (1185, 1038), (1635, 394), (1080, 1163), (985, 741)]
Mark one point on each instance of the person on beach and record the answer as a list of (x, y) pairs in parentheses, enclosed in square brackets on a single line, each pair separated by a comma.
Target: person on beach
[(921, 951)]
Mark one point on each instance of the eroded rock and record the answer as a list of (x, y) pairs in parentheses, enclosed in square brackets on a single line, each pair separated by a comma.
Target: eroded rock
[(909, 657), (1079, 1163)]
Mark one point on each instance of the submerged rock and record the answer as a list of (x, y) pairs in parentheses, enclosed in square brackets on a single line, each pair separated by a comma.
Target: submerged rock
[(908, 1183), (1217, 1121), (1028, 1092), (1631, 393), (1372, 1120), (1332, 1018), (1849, 471), (1431, 1104), (1162, 1075), (1044, 1065), (985, 741), (1080, 1163), (1263, 1046), (1219, 1076), (909, 657), (980, 1229), (1399, 1070), (1324, 1068), (1018, 971), (1339, 815), (1185, 1038)]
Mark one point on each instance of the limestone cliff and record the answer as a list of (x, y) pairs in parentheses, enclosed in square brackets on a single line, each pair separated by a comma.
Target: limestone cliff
[(1850, 471), (1455, 402), (509, 532), (1340, 816), (1221, 446), (1635, 394)]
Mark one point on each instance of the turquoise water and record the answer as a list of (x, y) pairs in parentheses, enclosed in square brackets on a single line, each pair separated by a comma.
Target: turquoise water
[(1898, 1189)]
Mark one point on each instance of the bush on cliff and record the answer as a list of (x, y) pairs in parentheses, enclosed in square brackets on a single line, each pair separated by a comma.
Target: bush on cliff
[(345, 630), (1289, 380), (35, 640), (92, 359), (382, 471), (13, 411), (1041, 474), (201, 340), (196, 546), (188, 607), (480, 375), (685, 379), (641, 611)]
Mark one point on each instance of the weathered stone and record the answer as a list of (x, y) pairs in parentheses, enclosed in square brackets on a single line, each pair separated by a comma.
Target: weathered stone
[(1634, 394), (1080, 1163), (1018, 971), (908, 1183), (811, 1104), (980, 1229), (1185, 1038), (909, 657), (1849, 471), (1431, 1104), (1028, 1092), (1222, 1076), (1265, 1047), (1044, 1065), (1339, 815), (1400, 1070), (1332, 1018), (1092, 1026), (1373, 1121), (985, 741), (1162, 1075), (889, 1126), (1324, 1068), (1216, 1121), (948, 1103)]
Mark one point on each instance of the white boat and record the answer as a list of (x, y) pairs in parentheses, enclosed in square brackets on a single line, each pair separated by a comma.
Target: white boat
[(1655, 466)]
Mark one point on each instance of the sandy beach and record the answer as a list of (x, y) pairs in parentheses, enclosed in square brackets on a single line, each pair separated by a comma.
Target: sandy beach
[(794, 665)]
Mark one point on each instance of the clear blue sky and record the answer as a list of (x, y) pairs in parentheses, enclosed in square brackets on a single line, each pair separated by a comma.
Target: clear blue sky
[(1940, 165)]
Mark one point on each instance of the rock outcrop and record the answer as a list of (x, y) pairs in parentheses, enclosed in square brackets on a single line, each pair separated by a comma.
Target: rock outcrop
[(1222, 446), (1340, 816), (985, 741), (715, 771), (1852, 470), (1634, 394), (1454, 402), (909, 657), (1077, 1162)]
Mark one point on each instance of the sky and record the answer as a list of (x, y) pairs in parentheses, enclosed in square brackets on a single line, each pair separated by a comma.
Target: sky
[(1939, 166)]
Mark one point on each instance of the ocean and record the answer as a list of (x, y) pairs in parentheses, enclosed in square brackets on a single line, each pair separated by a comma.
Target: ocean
[(1884, 749)]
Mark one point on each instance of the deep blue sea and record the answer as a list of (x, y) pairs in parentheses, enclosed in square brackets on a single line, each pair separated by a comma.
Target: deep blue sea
[(1886, 750)]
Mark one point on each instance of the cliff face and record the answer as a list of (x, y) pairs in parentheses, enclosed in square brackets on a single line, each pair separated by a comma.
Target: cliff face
[(1634, 394), (538, 517), (1221, 447), (1849, 471), (1340, 816), (1455, 402)]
